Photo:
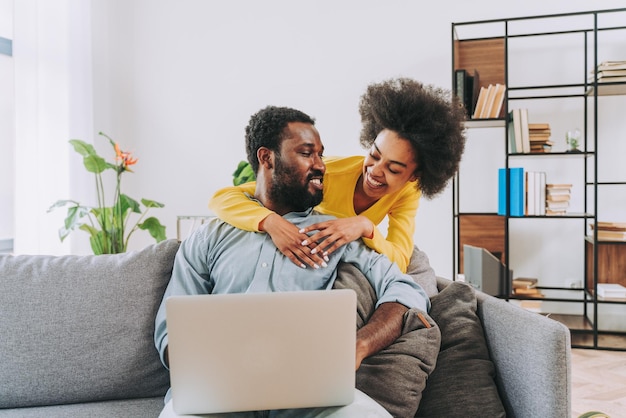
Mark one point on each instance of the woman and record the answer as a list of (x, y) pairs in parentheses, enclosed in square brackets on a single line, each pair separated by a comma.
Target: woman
[(415, 137)]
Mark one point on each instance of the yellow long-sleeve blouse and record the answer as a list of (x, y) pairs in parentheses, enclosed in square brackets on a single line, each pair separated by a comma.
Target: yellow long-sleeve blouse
[(342, 174)]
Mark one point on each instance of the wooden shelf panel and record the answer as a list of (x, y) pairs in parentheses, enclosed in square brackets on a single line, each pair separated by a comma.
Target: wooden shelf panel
[(484, 55), (573, 322), (611, 262), (482, 230)]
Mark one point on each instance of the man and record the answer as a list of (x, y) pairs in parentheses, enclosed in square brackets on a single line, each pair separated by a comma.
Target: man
[(285, 151)]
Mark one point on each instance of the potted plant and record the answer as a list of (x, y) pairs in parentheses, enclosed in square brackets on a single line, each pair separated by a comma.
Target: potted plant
[(108, 227)]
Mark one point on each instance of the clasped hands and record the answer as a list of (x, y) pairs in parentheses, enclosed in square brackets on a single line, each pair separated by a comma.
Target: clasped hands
[(313, 251)]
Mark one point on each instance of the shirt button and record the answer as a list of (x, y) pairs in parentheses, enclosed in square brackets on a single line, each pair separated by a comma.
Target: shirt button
[(264, 265)]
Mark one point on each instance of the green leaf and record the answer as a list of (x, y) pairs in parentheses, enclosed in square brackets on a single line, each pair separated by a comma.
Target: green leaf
[(243, 173), (91, 160), (151, 203), (96, 240), (72, 219), (155, 228), (61, 203), (74, 215), (129, 203)]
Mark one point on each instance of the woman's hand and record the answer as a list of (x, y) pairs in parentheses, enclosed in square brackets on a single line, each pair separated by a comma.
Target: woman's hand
[(337, 232), (288, 240)]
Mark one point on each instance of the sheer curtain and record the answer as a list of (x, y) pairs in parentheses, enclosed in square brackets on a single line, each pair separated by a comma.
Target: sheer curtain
[(53, 103)]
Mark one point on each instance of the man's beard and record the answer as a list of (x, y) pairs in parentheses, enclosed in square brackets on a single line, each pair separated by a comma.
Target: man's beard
[(288, 192)]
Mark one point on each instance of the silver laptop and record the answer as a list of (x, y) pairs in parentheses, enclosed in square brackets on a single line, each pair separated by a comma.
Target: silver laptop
[(262, 351)]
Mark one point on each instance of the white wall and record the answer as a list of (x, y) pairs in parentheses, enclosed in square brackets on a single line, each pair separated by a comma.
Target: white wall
[(176, 81)]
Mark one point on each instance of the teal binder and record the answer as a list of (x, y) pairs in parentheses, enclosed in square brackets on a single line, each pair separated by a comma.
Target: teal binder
[(516, 179)]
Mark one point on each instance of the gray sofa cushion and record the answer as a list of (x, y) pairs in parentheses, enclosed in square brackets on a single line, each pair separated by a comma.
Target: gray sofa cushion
[(463, 366), (61, 341), (420, 270), (396, 376)]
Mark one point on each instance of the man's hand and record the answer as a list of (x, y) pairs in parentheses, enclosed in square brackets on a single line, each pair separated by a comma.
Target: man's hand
[(383, 328), (288, 240), (337, 232)]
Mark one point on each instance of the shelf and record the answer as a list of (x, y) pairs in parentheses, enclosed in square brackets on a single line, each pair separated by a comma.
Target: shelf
[(564, 98), (485, 123), (553, 154), (573, 322), (606, 340)]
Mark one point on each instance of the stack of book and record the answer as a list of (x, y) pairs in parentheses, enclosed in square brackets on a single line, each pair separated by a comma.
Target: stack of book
[(557, 198), (526, 286), (609, 72), (539, 136), (611, 231), (489, 103), (611, 290)]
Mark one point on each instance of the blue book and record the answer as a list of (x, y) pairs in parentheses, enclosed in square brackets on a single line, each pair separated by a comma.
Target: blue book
[(516, 178)]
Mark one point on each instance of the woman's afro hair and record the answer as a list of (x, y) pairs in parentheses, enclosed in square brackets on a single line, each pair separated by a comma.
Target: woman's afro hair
[(430, 118)]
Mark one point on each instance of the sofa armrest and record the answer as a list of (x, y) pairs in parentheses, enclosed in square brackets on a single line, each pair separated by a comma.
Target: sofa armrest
[(532, 357)]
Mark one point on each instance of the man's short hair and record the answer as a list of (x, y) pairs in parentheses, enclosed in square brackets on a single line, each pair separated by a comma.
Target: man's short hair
[(267, 129)]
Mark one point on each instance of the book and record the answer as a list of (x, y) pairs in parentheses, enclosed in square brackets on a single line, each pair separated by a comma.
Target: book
[(611, 290), (610, 73), (558, 197), (474, 85), (530, 194), (611, 235), (516, 194), (557, 206), (539, 127), (498, 100), (560, 186), (515, 133), (460, 89), (525, 132), (555, 212), (540, 193), (480, 104), (612, 79), (535, 137), (610, 231), (524, 282), (558, 192), (610, 226), (532, 292), (611, 65), (491, 94)]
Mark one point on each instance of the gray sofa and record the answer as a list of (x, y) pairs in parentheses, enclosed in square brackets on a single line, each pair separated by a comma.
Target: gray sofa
[(77, 341)]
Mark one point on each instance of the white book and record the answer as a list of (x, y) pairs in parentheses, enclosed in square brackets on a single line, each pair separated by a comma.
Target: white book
[(611, 290), (541, 186)]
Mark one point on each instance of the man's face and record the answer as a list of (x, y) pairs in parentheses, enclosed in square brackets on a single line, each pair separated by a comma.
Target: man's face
[(297, 180)]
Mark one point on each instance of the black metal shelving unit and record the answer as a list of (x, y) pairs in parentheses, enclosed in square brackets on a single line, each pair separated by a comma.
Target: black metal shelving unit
[(584, 327)]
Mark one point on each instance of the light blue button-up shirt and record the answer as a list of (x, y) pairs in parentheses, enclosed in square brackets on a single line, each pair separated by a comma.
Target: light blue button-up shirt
[(219, 258)]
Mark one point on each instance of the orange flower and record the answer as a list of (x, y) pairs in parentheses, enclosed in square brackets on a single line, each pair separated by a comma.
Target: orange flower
[(125, 157)]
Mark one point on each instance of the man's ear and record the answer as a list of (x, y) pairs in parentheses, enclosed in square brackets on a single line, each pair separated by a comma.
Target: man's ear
[(265, 157)]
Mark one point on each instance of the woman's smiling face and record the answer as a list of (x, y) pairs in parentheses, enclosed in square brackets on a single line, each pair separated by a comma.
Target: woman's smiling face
[(390, 164)]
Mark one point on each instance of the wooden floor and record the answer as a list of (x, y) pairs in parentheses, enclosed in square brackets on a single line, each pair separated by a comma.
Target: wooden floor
[(599, 382)]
